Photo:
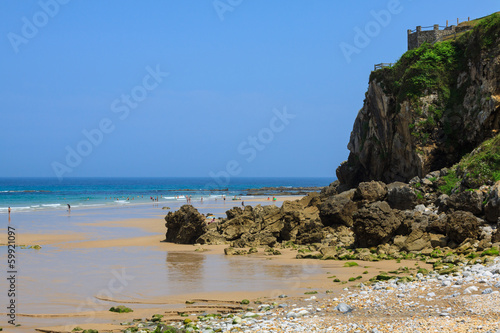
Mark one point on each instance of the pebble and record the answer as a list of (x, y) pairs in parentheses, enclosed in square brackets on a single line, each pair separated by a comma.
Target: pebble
[(389, 306), (343, 307)]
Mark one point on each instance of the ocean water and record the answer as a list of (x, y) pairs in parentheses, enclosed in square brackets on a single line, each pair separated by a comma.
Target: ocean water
[(39, 194)]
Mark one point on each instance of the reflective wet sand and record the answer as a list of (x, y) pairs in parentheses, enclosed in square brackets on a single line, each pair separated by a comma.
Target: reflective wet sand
[(92, 260)]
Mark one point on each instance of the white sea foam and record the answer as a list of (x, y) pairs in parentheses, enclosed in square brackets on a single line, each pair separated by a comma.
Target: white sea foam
[(19, 208), (51, 205)]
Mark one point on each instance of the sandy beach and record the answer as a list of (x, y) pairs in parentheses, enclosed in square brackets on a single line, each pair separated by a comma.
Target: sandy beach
[(78, 266), (99, 262)]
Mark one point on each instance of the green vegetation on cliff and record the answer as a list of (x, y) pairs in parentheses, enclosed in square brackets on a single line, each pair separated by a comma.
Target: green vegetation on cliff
[(434, 68), (420, 71), (482, 165), (436, 104), (437, 70)]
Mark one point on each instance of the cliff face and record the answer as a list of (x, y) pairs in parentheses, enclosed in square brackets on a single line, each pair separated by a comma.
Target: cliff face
[(434, 105)]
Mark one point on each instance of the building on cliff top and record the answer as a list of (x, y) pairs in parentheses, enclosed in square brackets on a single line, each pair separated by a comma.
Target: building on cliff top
[(435, 34)]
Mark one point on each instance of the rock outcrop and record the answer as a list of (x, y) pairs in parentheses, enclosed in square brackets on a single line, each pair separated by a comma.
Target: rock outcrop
[(461, 226), (185, 225), (492, 207), (401, 196), (400, 189), (375, 224), (372, 215), (338, 209)]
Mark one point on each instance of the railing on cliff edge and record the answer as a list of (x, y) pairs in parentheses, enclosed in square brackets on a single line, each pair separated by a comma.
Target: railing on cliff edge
[(382, 65)]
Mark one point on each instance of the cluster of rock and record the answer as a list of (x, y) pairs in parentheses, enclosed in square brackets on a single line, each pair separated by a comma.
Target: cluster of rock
[(412, 217)]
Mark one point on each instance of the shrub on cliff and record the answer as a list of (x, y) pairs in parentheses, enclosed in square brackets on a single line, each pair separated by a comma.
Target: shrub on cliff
[(482, 165)]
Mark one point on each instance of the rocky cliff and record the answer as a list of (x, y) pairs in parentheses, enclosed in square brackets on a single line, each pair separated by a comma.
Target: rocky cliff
[(436, 104), (431, 121)]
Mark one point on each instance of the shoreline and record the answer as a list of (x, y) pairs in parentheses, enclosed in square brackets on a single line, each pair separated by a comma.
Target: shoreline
[(261, 278), (131, 204), (291, 276)]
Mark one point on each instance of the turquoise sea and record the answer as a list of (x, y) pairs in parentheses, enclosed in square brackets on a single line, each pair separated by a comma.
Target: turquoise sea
[(35, 194), (67, 275)]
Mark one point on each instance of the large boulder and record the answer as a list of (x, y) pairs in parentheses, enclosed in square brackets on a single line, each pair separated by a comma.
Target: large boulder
[(268, 218), (233, 212), (240, 221), (469, 201), (492, 207), (439, 225), (338, 236), (251, 226), (338, 209), (211, 237), (330, 190), (298, 220), (495, 237), (264, 238), (417, 240), (462, 225), (233, 229), (401, 196), (375, 224), (185, 225), (311, 199), (371, 191)]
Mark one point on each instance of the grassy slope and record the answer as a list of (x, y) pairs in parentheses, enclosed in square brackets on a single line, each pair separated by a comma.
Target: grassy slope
[(481, 166)]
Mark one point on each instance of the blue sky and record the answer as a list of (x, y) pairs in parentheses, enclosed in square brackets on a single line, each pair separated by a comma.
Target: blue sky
[(194, 88)]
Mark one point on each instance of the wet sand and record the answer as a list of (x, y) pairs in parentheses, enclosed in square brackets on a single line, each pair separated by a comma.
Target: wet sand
[(100, 262)]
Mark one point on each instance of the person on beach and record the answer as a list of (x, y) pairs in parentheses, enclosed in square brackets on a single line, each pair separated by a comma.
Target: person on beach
[(69, 208), (243, 203), (9, 211)]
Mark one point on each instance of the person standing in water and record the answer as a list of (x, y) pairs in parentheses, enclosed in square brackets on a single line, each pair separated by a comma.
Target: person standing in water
[(69, 208), (9, 211)]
